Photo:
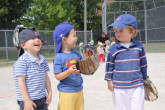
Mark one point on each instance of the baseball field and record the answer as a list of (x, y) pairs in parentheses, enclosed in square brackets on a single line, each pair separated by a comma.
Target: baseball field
[(96, 94)]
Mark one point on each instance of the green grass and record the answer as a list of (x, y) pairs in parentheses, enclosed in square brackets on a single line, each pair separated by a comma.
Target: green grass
[(48, 52), (13, 56), (155, 47)]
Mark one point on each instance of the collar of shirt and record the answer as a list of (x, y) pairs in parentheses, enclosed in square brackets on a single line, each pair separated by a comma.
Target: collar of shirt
[(33, 59), (120, 46)]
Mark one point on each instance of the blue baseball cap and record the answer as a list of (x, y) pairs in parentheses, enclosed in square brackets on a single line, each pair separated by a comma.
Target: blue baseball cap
[(60, 31), (123, 21)]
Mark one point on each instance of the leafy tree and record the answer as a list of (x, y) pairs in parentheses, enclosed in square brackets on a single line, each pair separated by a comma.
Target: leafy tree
[(46, 14), (94, 20), (12, 9)]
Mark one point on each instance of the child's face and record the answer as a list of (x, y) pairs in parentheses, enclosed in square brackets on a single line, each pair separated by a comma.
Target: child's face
[(103, 35), (107, 42), (71, 39), (98, 43), (123, 35), (32, 46)]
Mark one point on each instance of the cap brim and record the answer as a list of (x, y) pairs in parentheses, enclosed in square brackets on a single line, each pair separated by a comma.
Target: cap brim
[(108, 27), (117, 25), (58, 47)]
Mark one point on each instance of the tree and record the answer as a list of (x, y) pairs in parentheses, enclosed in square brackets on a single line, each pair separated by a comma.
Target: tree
[(94, 20), (13, 9), (46, 14)]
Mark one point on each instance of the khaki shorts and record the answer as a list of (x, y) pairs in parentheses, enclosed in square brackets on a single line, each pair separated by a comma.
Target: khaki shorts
[(71, 101)]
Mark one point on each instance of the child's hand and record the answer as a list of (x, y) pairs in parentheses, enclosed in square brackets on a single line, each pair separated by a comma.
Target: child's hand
[(48, 100), (110, 85), (29, 105), (73, 70)]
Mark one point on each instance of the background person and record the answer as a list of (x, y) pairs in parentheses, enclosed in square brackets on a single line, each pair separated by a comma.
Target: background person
[(112, 40), (81, 49), (92, 46), (100, 52), (85, 48)]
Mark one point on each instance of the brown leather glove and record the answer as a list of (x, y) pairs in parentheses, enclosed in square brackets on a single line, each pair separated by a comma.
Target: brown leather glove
[(151, 93), (88, 65)]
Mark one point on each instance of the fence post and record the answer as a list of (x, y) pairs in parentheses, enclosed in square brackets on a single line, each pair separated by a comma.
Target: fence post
[(140, 36), (145, 22), (110, 35), (85, 22), (6, 48), (91, 35), (105, 17), (54, 48)]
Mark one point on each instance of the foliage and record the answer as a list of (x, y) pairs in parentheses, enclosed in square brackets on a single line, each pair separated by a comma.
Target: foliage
[(12, 9), (93, 19), (46, 14)]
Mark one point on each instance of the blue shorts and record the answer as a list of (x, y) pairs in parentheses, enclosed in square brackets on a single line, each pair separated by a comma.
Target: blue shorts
[(41, 105)]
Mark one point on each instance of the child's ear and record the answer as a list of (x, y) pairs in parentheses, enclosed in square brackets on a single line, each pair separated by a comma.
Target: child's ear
[(22, 46), (64, 38), (133, 32)]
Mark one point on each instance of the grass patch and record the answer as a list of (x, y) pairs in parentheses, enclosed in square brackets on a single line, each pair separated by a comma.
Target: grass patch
[(155, 47), (48, 52)]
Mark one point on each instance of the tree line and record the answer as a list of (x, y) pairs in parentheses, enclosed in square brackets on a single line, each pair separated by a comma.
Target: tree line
[(46, 14)]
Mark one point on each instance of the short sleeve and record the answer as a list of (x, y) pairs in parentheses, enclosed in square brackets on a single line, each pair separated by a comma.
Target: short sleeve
[(57, 66), (46, 67), (20, 68)]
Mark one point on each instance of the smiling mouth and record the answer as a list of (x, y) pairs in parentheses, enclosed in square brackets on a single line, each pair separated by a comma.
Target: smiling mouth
[(36, 45)]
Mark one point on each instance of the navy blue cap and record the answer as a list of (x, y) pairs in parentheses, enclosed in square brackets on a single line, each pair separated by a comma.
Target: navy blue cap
[(123, 21), (26, 35), (60, 31)]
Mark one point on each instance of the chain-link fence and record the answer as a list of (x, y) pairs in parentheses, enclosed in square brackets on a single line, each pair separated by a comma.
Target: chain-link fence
[(9, 53), (150, 17)]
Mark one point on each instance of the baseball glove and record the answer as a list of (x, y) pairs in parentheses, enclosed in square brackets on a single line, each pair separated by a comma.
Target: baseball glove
[(151, 93), (88, 65), (17, 30)]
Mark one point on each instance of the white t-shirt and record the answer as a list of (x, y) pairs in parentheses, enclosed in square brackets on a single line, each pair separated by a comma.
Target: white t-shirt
[(126, 44)]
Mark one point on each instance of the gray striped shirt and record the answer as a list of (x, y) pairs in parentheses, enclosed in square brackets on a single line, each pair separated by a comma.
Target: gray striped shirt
[(34, 72)]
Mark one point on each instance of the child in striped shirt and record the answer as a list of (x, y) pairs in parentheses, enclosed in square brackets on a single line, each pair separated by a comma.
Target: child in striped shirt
[(30, 74), (126, 66)]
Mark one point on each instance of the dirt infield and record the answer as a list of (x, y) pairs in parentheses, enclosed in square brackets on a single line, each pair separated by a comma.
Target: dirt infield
[(96, 94)]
